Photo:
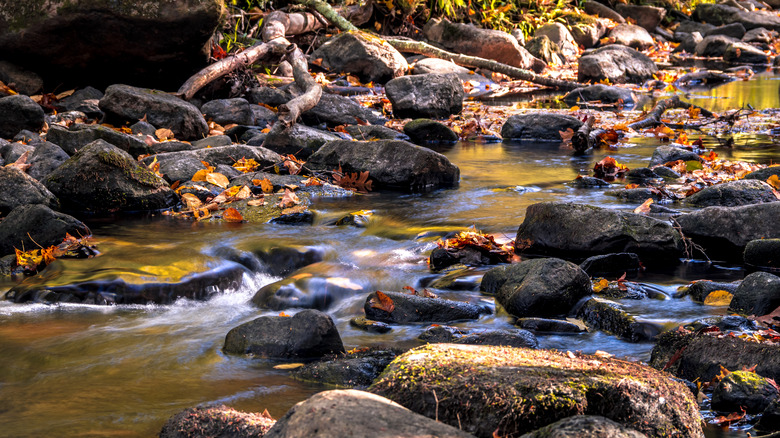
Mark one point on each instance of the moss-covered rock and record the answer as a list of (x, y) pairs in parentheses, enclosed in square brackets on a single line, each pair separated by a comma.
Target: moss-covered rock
[(515, 390), (743, 389), (609, 317), (585, 426), (212, 421), (352, 370)]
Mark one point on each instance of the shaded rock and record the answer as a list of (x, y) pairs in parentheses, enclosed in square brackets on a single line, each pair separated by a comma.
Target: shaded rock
[(602, 10), (182, 165), (101, 178), (28, 226), (212, 142), (84, 100), (412, 308), (506, 338), (543, 48), (713, 46), (537, 287), (743, 390), (770, 418), (589, 182), (632, 36), (764, 174), (27, 137), (610, 264), (608, 316), (123, 103), (306, 291), (585, 426), (560, 35), (78, 135), (649, 17), (764, 253), (602, 93), (307, 334), (299, 140), (665, 154), (617, 63), (556, 229), (758, 294), (19, 79), (720, 14), (335, 110), (426, 131), (759, 35), (484, 43), (323, 415), (733, 193), (544, 325), (431, 95), (19, 112), (276, 260), (688, 42), (665, 172), (514, 390), (228, 111), (45, 158), (216, 421), (20, 189), (353, 370), (733, 30), (270, 96), (441, 334), (374, 132), (698, 290), (745, 53), (369, 325), (690, 26), (538, 126), (391, 164), (371, 59)]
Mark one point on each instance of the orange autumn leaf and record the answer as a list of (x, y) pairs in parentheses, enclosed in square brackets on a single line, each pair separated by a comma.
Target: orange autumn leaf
[(28, 259), (201, 175), (265, 185), (289, 199), (232, 215), (600, 285), (710, 156), (718, 298), (774, 181), (566, 135), (217, 179), (382, 302), (645, 207), (164, 134), (622, 126), (191, 201)]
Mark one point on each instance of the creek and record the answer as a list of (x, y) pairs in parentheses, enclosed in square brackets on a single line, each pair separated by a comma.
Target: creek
[(80, 370)]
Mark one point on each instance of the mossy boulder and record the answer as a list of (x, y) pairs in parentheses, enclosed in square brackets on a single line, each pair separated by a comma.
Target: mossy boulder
[(763, 253), (352, 370), (28, 226), (610, 317), (743, 389), (515, 390), (758, 294), (213, 421)]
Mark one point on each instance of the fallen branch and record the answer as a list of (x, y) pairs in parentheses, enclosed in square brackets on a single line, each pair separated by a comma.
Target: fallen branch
[(653, 118), (290, 111), (582, 140)]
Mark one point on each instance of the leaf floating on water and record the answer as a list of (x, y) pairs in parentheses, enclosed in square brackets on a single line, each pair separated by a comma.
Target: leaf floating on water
[(288, 366), (382, 302), (718, 298), (232, 215)]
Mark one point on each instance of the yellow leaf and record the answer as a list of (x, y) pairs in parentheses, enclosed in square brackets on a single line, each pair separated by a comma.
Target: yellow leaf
[(621, 127), (232, 215), (645, 207), (600, 285), (265, 184), (164, 134), (774, 181), (28, 259), (243, 193), (574, 108), (218, 179), (191, 201), (201, 175), (718, 298), (288, 366)]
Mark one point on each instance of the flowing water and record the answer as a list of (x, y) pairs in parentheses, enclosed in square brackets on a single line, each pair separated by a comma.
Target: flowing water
[(79, 370)]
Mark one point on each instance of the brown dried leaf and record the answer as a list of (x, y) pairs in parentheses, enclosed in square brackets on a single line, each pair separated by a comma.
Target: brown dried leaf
[(289, 199), (382, 302), (218, 179), (164, 134), (232, 215)]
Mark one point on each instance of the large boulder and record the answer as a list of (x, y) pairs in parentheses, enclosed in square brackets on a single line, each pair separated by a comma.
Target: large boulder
[(585, 426), (618, 64), (763, 253), (78, 135), (406, 308), (19, 112), (557, 229), (28, 226), (46, 157), (123, 103), (216, 421), (431, 95), (101, 179), (307, 334), (19, 189), (511, 391), (632, 36), (484, 43), (352, 413), (538, 126), (182, 165), (733, 194), (368, 57), (539, 287), (229, 111), (758, 294), (140, 42), (720, 14), (335, 110), (648, 17), (391, 164)]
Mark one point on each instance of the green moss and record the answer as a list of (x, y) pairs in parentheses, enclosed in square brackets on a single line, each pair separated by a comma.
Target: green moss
[(131, 169)]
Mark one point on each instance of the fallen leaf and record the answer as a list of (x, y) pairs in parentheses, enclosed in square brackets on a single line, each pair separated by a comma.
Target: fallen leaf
[(21, 162), (218, 179), (773, 181), (256, 202), (288, 366), (566, 135), (232, 215), (382, 302), (265, 185), (191, 201), (163, 134), (718, 298), (600, 285), (645, 207), (289, 199)]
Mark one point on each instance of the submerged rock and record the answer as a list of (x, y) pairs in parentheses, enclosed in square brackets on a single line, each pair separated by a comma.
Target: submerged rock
[(608, 316), (607, 264), (216, 421), (602, 93), (306, 291)]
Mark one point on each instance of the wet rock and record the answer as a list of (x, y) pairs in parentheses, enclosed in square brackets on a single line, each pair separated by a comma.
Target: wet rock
[(611, 264), (556, 229), (369, 325), (212, 142), (101, 178), (539, 287), (605, 315), (353, 370), (758, 294), (84, 100), (19, 79), (720, 14), (743, 390), (306, 292), (45, 158), (544, 325), (484, 43), (437, 334), (770, 418), (690, 26), (374, 132), (442, 258), (759, 35), (649, 17), (412, 308), (27, 137), (182, 165), (123, 103), (538, 126), (745, 53), (763, 253), (371, 59), (427, 131), (713, 46), (228, 111), (585, 426), (505, 338), (391, 164), (602, 93), (216, 421), (421, 96), (617, 63), (724, 232), (441, 66), (632, 36), (307, 334), (689, 42), (724, 323), (698, 290), (19, 112), (666, 154), (637, 195), (666, 173), (602, 10), (299, 140), (19, 188), (323, 415), (764, 174), (733, 30), (78, 135), (589, 182), (484, 389), (28, 226), (733, 194), (543, 48), (335, 110)]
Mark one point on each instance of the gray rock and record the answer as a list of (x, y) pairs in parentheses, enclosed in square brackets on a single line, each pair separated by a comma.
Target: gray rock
[(507, 338), (617, 63), (426, 131), (299, 140), (585, 426), (335, 110), (20, 189), (543, 48), (713, 46), (744, 53), (216, 421), (412, 309), (229, 111), (688, 42), (649, 17), (745, 390), (371, 59), (608, 316), (353, 370), (28, 226), (560, 35), (73, 139), (45, 158), (690, 26), (666, 154), (759, 35), (182, 165), (615, 264), (425, 96), (19, 112), (632, 36), (19, 79), (770, 418), (27, 137), (10, 152), (374, 132), (720, 14), (733, 194), (311, 292), (602, 93), (441, 66), (758, 294), (212, 142), (538, 126), (544, 325), (602, 10), (764, 253), (733, 30)]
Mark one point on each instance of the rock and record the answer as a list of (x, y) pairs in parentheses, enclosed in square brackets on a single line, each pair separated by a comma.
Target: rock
[(588, 31), (632, 36), (139, 42), (608, 316), (426, 131), (538, 126), (28, 226), (229, 111), (182, 165), (515, 390), (713, 46), (543, 48), (698, 290), (589, 182), (560, 35), (689, 42), (441, 66), (764, 253), (323, 415), (391, 164), (27, 137), (585, 426), (437, 333), (744, 53), (270, 96), (73, 139), (371, 59), (770, 418), (335, 110), (425, 96), (307, 334), (19, 112), (602, 10), (101, 179), (617, 63), (374, 132), (733, 30), (123, 103), (743, 390), (649, 17), (20, 189), (611, 264), (602, 93), (764, 174), (86, 98), (442, 258), (506, 338), (690, 26), (719, 14), (212, 142), (11, 152), (733, 194), (543, 325), (665, 154), (20, 80), (306, 292), (353, 370), (556, 229), (724, 232), (759, 35), (216, 421), (539, 287), (412, 308), (45, 158), (484, 43), (369, 325), (299, 140), (758, 294)]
